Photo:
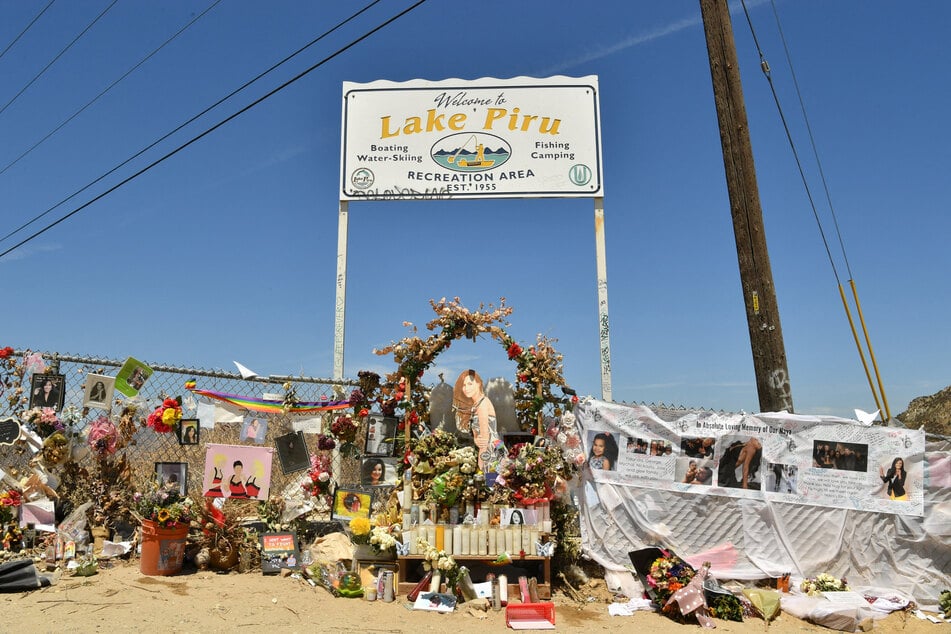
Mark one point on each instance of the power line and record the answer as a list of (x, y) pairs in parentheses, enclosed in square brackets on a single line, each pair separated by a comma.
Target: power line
[(110, 87), (192, 119), (27, 28), (58, 55), (216, 126)]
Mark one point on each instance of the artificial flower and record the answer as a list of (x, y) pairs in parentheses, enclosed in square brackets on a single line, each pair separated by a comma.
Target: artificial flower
[(6, 352)]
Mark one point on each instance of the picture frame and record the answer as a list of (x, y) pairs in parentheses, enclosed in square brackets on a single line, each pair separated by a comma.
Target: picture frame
[(172, 474), (279, 551), (292, 452), (98, 391), (380, 435), (254, 428), (9, 430), (510, 439), (132, 376), (387, 476), (47, 390), (189, 431), (350, 502)]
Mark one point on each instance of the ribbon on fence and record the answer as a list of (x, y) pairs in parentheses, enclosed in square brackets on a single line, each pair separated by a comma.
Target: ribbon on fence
[(271, 407)]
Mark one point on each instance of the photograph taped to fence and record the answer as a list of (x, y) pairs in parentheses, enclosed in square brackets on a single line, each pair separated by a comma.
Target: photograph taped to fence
[(99, 391)]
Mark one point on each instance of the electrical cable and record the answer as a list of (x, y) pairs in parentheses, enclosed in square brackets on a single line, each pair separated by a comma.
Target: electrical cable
[(58, 55), (191, 120), (216, 126), (110, 87), (27, 28), (764, 65)]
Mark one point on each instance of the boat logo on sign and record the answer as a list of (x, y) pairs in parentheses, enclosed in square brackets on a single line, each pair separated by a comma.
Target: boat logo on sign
[(467, 152)]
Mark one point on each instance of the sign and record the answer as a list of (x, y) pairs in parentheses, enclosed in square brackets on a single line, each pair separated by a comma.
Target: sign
[(9, 430), (815, 460), (486, 138)]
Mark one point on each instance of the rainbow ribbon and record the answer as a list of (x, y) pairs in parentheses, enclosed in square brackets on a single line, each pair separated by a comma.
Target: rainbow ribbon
[(271, 407)]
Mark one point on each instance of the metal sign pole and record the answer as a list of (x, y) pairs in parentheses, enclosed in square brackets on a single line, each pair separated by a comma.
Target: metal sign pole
[(340, 308), (604, 328)]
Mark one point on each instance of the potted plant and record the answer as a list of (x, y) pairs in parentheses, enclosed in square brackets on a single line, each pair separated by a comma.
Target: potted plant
[(165, 516)]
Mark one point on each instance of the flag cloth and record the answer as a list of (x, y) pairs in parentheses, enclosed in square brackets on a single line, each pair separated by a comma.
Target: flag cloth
[(272, 407)]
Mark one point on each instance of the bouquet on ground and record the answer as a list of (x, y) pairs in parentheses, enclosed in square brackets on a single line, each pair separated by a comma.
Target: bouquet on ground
[(439, 561), (667, 575), (164, 506), (823, 582)]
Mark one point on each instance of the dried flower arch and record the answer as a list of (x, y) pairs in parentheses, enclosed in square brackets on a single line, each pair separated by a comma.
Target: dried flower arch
[(539, 367)]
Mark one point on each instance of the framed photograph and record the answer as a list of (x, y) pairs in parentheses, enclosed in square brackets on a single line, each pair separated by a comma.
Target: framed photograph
[(279, 550), (188, 431), (517, 438), (172, 476), (254, 428), (292, 452), (242, 472), (518, 516), (132, 376), (47, 390), (99, 390), (377, 471), (350, 503), (381, 435)]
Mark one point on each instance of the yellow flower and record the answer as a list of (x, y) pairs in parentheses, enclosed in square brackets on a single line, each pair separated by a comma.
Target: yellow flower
[(163, 515), (360, 526), (171, 416)]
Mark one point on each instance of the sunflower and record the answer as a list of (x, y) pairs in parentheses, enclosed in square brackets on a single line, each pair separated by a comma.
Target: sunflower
[(163, 515)]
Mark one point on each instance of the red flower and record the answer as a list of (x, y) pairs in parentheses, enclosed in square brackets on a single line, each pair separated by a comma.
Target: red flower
[(574, 399), (364, 412), (514, 350), (413, 417), (5, 352)]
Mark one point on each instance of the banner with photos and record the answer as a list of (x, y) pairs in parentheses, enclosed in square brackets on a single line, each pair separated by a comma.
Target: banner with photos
[(816, 460)]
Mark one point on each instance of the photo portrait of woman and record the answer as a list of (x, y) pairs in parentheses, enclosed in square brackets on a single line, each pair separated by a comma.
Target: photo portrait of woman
[(475, 414), (604, 452), (373, 472), (188, 430), (895, 477), (46, 391)]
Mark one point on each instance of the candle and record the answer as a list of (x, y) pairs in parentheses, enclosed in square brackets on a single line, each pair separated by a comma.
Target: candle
[(509, 539), (410, 538), (493, 541), (457, 539), (464, 546), (448, 538), (440, 537), (483, 536)]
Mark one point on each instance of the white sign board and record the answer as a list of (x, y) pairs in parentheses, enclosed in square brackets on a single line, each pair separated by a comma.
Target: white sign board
[(486, 138)]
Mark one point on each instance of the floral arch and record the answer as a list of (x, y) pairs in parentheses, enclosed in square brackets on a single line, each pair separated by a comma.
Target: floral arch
[(539, 367)]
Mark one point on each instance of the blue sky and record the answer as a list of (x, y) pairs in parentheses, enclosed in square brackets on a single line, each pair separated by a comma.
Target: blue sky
[(227, 251)]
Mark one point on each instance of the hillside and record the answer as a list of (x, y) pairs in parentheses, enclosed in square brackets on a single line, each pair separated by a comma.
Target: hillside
[(933, 412)]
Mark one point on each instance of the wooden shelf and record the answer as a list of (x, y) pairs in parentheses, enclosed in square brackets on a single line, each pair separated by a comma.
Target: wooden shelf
[(538, 567)]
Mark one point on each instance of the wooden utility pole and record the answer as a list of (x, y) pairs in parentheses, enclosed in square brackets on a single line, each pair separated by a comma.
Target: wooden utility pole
[(762, 311)]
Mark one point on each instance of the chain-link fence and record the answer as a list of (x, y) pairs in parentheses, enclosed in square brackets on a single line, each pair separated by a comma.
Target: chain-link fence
[(146, 447)]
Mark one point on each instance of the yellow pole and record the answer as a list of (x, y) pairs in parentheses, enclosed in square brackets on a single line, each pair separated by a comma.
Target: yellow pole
[(858, 344), (871, 353)]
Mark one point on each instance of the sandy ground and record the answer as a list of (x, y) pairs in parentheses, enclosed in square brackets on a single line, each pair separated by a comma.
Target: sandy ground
[(121, 599)]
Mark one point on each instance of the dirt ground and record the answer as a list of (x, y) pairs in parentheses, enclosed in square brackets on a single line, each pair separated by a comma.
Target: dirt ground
[(121, 599)]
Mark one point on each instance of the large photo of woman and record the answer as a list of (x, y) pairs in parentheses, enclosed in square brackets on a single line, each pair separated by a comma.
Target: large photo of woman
[(896, 479), (475, 415)]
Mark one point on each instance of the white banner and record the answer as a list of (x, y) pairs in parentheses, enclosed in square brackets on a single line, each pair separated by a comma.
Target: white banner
[(821, 461), (485, 138)]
